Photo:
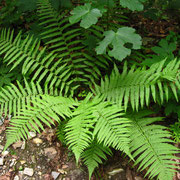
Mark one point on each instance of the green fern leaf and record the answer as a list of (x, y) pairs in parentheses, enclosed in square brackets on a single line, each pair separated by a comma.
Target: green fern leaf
[(13, 98), (112, 128), (36, 63), (150, 145), (66, 40), (93, 156), (137, 85), (79, 128), (45, 110)]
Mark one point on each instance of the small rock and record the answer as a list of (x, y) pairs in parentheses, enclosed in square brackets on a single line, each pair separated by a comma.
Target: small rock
[(62, 171), (16, 177), (1, 147), (55, 174), (28, 171), (40, 173), (33, 159), (65, 166), (1, 161), (31, 135), (13, 161), (1, 121), (115, 171), (138, 178), (17, 144), (5, 153), (37, 141), (22, 162), (50, 152), (9, 117), (23, 145)]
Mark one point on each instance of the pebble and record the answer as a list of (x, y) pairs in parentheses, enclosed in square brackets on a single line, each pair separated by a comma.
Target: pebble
[(28, 171), (31, 135), (1, 147), (13, 161), (22, 162), (50, 152), (62, 171), (40, 173), (65, 166), (1, 121), (37, 141), (17, 144), (5, 153), (115, 171), (138, 178), (23, 145), (16, 177), (55, 174), (1, 161)]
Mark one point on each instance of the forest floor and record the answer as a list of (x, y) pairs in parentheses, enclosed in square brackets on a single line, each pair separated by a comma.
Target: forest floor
[(43, 157)]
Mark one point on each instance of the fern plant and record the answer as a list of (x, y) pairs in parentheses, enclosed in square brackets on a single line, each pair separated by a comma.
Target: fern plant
[(111, 115)]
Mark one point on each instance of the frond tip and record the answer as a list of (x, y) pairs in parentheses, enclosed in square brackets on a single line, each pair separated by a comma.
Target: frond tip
[(137, 85), (151, 147)]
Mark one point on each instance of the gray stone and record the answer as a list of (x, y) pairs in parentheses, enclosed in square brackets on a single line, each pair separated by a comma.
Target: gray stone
[(55, 174), (17, 144), (37, 141), (16, 177), (5, 153), (1, 161), (115, 171), (1, 147), (23, 145), (1, 121), (138, 178), (28, 171), (50, 152), (31, 135), (13, 161)]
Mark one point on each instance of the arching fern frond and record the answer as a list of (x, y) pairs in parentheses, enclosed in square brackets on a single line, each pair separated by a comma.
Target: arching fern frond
[(112, 128), (79, 128), (150, 146), (137, 85), (100, 120), (45, 110), (38, 64), (66, 40), (15, 97), (94, 155)]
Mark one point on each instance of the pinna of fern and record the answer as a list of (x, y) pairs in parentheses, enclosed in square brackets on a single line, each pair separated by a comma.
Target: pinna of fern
[(40, 65), (45, 110), (66, 40), (137, 85), (151, 146)]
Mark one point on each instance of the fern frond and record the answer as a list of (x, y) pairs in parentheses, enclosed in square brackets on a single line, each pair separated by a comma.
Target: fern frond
[(93, 156), (100, 120), (40, 65), (112, 128), (45, 110), (151, 146), (13, 98), (66, 40), (79, 128), (137, 85)]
